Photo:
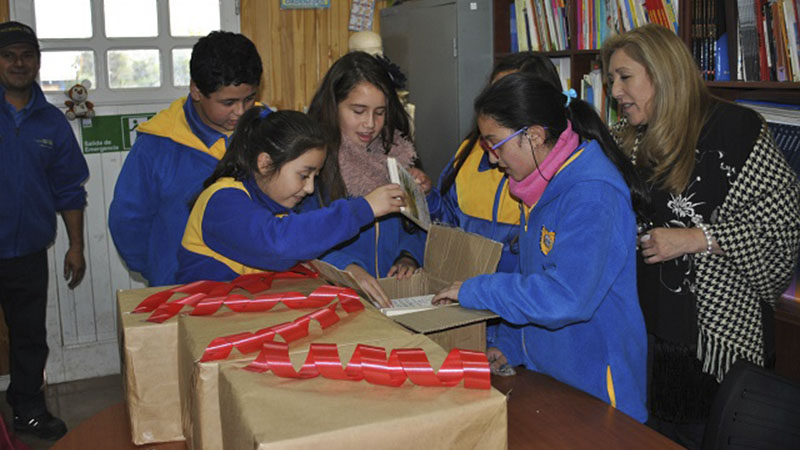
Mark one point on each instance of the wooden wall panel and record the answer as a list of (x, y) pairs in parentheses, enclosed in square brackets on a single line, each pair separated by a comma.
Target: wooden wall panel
[(297, 46), (4, 11)]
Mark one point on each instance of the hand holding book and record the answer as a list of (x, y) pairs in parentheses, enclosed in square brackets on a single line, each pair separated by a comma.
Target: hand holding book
[(386, 199), (423, 180)]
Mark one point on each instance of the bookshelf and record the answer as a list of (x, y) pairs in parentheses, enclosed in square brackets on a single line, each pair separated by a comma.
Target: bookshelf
[(581, 60)]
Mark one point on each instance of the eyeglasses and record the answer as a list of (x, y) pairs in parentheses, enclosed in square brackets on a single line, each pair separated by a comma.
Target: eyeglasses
[(493, 148)]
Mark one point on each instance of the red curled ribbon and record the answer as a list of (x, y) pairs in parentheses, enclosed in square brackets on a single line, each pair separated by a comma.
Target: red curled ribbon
[(250, 342), (370, 363), (214, 292)]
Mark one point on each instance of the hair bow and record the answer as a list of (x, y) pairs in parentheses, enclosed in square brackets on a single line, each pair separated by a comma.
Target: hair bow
[(264, 112), (570, 94)]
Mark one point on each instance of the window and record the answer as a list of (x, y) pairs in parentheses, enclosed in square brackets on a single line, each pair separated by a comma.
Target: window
[(130, 51)]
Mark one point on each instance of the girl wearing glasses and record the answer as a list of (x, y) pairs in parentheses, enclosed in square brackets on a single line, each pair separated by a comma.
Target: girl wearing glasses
[(472, 194), (571, 310), (364, 123), (245, 220)]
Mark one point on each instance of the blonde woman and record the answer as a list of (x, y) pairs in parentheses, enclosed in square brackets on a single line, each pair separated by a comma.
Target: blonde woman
[(719, 238)]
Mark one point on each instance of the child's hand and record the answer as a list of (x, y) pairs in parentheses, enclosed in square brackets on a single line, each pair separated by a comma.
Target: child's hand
[(370, 285), (404, 267), (447, 295), (422, 179), (498, 364), (386, 199)]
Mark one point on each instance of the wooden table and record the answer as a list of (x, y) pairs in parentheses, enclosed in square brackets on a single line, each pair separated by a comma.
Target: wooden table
[(546, 414), (542, 414)]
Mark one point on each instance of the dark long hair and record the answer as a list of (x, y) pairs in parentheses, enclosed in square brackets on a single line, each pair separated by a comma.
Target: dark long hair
[(347, 72), (519, 100), (535, 64), (283, 135)]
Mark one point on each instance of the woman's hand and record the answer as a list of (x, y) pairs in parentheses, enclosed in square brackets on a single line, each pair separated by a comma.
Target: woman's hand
[(663, 244), (403, 268), (370, 285), (422, 179), (386, 199), (447, 295)]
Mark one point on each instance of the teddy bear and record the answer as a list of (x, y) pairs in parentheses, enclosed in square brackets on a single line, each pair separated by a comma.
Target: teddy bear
[(78, 104)]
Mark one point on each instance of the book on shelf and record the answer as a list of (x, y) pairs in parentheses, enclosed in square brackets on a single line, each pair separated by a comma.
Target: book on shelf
[(768, 40), (748, 40), (512, 25), (416, 207), (783, 121), (722, 71), (563, 67), (793, 36)]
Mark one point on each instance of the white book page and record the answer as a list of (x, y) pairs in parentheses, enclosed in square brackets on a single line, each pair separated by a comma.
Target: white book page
[(416, 207), (407, 305)]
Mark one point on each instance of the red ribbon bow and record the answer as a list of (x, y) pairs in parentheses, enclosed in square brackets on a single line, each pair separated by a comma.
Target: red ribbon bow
[(370, 363), (206, 294), (250, 342)]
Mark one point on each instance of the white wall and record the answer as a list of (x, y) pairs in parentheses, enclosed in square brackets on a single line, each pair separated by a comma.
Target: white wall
[(82, 323)]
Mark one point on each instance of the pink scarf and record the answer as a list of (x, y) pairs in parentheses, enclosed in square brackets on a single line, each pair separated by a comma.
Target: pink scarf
[(530, 189), (364, 168)]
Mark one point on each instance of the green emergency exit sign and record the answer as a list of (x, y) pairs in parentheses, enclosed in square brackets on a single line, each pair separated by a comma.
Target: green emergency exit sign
[(116, 133)]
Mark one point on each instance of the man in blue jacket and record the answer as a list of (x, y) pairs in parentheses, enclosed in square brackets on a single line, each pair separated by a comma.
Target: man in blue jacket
[(176, 151), (42, 171)]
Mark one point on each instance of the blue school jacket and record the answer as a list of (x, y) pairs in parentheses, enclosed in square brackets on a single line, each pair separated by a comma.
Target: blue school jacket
[(378, 245), (42, 170), (235, 229), (174, 153), (479, 202), (572, 310)]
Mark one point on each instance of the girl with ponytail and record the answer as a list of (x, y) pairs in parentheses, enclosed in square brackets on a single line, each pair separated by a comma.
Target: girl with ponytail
[(571, 310)]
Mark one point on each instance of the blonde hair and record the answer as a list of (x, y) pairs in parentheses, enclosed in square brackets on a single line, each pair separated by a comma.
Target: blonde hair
[(680, 104)]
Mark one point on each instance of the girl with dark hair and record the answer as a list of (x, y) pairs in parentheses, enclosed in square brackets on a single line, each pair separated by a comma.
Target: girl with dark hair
[(571, 310), (244, 220), (364, 123), (472, 194)]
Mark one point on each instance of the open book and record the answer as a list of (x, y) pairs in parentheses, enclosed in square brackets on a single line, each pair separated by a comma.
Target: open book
[(416, 207), (411, 304)]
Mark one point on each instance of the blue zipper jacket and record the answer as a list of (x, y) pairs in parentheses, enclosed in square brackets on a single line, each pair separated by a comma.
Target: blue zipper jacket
[(572, 311), (174, 153), (42, 170), (378, 245), (235, 228), (479, 202)]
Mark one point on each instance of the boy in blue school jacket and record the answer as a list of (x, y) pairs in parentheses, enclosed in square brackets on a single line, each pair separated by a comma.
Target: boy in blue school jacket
[(176, 151)]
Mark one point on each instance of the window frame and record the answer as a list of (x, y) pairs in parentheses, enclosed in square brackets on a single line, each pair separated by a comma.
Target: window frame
[(101, 94)]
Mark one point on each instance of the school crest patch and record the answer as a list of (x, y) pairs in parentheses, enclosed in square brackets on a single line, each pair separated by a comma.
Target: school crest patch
[(547, 240)]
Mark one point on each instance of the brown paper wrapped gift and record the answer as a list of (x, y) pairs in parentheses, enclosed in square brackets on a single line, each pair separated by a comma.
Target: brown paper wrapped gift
[(262, 411), (149, 353), (149, 370), (198, 380)]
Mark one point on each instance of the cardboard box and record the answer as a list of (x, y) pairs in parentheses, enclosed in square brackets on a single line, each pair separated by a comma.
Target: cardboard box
[(451, 254), (263, 411), (149, 361), (198, 380), (148, 353)]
